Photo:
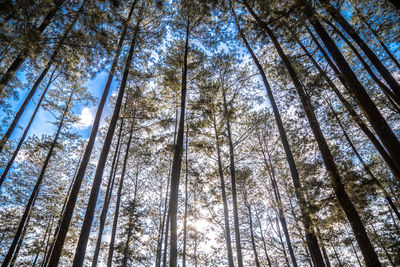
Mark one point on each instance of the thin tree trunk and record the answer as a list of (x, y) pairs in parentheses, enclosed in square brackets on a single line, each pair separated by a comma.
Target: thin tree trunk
[(24, 53), (177, 161), (366, 247), (364, 164), (186, 199), (281, 241), (32, 92), (87, 221), (22, 139), (375, 33), (118, 203), (21, 240), (107, 196), (386, 75), (46, 236), (47, 254), (382, 245), (253, 242), (312, 242), (354, 250), (69, 209), (35, 191), (223, 192), (353, 114), (233, 181), (263, 239), (372, 113), (131, 214), (271, 171), (395, 101)]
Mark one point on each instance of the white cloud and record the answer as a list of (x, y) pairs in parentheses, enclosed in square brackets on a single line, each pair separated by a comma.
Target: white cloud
[(85, 118)]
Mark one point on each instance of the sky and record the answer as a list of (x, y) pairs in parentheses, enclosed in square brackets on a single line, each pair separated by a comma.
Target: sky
[(42, 122)]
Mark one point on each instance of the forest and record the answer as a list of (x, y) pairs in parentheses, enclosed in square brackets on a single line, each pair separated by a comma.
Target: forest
[(200, 133)]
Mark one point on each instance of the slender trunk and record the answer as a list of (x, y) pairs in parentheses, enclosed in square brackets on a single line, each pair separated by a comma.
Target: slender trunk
[(186, 199), (118, 203), (35, 191), (271, 171), (177, 161), (312, 242), (32, 92), (281, 241), (336, 254), (25, 52), (386, 75), (125, 255), (47, 254), (165, 215), (44, 243), (395, 101), (363, 163), (372, 113), (382, 245), (107, 196), (233, 181), (353, 114), (161, 236), (375, 33), (87, 221), (253, 242), (354, 250), (299, 230), (22, 139), (223, 192), (369, 253), (326, 258), (69, 209), (263, 239), (19, 245)]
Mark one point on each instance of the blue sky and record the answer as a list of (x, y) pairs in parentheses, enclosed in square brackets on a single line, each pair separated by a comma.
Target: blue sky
[(42, 123)]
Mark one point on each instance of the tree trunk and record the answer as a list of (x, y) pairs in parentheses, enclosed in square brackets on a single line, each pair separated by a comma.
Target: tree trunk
[(87, 222), (24, 53), (271, 171), (253, 242), (233, 181), (373, 115), (223, 192), (177, 160), (22, 139), (312, 242), (375, 33), (107, 196), (263, 240), (69, 209), (353, 114), (118, 203), (364, 164), (130, 227), (186, 199), (32, 92), (395, 101), (35, 191), (370, 256), (386, 75)]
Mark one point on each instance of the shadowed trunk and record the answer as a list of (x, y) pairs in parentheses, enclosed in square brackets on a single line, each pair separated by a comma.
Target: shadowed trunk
[(69, 209), (223, 193), (312, 242), (47, 67), (25, 52), (107, 196)]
